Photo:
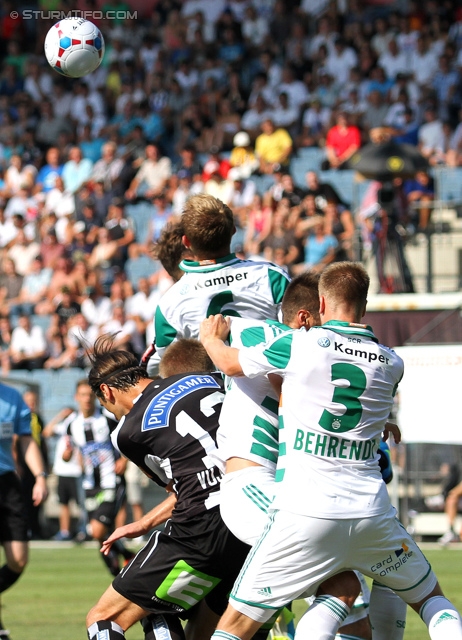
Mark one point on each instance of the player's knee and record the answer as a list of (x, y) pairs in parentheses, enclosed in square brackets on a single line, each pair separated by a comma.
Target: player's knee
[(94, 615), (344, 586), (18, 563)]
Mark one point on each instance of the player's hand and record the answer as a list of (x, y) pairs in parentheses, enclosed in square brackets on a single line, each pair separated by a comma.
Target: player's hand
[(392, 428), (132, 530), (214, 327), (39, 491)]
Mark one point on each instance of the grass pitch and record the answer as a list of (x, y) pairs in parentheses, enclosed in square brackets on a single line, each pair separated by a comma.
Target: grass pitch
[(61, 584)]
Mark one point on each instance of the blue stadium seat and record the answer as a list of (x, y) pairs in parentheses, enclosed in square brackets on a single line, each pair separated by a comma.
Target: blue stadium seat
[(449, 183), (262, 183), (141, 267), (141, 214), (298, 171), (306, 159), (41, 321)]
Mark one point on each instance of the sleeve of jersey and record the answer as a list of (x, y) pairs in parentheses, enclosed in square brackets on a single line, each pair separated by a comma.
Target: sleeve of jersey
[(272, 357), (165, 333), (279, 281), (23, 419)]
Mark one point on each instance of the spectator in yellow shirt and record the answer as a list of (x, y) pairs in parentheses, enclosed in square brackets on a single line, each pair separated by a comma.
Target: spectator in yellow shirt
[(273, 147)]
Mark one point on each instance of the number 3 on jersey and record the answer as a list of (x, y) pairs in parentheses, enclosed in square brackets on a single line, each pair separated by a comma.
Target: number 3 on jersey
[(348, 396)]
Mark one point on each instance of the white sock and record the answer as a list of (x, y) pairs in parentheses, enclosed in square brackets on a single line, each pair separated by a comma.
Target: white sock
[(387, 613), (322, 619), (442, 619)]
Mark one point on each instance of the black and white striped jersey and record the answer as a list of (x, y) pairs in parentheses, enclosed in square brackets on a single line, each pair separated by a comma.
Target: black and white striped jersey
[(91, 435), (171, 435)]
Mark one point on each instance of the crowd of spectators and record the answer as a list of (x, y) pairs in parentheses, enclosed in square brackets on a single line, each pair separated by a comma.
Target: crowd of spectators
[(199, 96)]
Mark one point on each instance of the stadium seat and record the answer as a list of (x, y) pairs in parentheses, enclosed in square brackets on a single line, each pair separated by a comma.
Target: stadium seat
[(141, 267), (41, 321), (298, 171), (449, 184), (262, 183), (141, 214), (306, 159)]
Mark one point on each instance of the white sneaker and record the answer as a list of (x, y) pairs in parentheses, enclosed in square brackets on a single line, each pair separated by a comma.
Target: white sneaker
[(448, 537)]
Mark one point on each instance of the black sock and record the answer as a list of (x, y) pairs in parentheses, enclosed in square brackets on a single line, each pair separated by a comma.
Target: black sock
[(7, 577), (157, 627), (111, 561), (112, 629)]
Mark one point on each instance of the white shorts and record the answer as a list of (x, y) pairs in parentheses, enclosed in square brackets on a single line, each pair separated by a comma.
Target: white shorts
[(245, 498), (295, 554)]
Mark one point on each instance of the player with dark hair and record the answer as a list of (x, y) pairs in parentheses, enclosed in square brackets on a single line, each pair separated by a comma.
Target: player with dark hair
[(167, 428), (169, 249)]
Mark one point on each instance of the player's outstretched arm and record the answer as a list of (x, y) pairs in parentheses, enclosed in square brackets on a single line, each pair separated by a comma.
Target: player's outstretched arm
[(153, 518), (214, 330)]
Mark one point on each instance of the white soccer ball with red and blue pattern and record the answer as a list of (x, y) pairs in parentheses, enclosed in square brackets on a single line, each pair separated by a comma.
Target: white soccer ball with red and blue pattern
[(74, 47)]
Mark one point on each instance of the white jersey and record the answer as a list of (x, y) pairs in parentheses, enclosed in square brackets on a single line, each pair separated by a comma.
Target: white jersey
[(72, 468), (337, 393), (231, 286), (92, 436), (249, 416)]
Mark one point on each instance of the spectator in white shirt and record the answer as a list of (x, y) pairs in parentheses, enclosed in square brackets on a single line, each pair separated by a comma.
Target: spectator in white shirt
[(325, 34), (125, 331), (62, 99), (38, 83), (285, 115), (382, 36), (28, 345), (254, 28), (95, 306), (152, 175), (407, 38), (296, 90), (340, 61), (393, 61), (431, 133), (253, 118)]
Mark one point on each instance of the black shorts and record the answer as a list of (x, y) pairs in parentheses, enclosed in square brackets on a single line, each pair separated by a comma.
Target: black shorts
[(13, 521), (68, 490), (184, 564), (104, 504)]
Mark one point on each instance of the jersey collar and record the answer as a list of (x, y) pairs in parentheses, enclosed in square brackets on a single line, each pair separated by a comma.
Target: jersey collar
[(203, 266), (350, 329)]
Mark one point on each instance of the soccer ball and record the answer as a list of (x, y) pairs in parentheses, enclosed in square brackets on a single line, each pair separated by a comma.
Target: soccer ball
[(74, 47)]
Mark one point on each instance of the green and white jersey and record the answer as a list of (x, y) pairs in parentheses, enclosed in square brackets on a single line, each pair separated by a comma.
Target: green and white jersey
[(337, 393), (231, 286), (249, 416)]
